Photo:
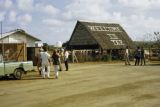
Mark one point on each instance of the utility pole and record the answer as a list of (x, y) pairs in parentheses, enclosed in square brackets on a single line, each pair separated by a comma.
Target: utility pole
[(1, 28), (2, 43), (1, 33)]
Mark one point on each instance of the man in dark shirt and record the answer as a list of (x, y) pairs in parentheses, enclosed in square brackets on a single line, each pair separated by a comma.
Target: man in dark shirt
[(56, 60)]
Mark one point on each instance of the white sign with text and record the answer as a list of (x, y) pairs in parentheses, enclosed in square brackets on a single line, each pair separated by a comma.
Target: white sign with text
[(115, 39), (104, 28)]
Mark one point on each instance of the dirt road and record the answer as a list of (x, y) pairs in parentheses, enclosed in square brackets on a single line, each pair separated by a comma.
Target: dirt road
[(86, 85)]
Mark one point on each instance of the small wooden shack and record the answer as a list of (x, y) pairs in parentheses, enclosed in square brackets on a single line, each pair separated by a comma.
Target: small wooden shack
[(101, 38), (17, 45)]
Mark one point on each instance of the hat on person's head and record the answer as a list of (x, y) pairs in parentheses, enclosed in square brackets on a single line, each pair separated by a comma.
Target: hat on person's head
[(41, 49)]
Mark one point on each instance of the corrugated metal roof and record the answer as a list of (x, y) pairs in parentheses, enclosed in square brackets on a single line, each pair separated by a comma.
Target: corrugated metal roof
[(4, 35)]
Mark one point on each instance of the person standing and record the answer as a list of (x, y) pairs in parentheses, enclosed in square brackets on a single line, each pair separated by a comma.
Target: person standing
[(60, 53), (46, 63), (39, 67), (127, 62), (142, 59), (66, 55), (137, 55), (56, 61)]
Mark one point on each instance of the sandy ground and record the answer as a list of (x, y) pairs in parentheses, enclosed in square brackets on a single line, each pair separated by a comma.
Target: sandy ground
[(86, 85)]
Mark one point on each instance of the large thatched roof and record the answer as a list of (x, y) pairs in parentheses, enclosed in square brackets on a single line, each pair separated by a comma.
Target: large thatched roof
[(89, 35)]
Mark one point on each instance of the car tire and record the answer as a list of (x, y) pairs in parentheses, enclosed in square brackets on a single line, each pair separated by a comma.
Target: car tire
[(18, 73)]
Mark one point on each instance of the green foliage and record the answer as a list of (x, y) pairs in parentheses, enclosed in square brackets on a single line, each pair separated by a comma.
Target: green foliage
[(51, 47), (154, 41), (106, 57), (65, 44)]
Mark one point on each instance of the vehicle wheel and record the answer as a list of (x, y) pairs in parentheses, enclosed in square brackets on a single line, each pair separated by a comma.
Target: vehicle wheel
[(18, 74)]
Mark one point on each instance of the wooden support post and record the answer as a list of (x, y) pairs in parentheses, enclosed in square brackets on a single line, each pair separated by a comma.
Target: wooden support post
[(110, 55), (24, 51), (74, 57)]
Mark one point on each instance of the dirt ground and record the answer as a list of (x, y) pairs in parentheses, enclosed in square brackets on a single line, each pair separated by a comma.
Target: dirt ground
[(86, 85)]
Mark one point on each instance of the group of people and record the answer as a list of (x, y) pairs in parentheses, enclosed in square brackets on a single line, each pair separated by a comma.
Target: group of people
[(139, 56), (44, 60)]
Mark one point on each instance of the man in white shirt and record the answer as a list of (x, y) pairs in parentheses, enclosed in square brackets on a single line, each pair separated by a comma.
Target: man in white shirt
[(66, 55), (39, 67), (127, 62), (46, 63)]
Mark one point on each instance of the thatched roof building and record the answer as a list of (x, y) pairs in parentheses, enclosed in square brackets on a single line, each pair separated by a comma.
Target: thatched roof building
[(89, 35)]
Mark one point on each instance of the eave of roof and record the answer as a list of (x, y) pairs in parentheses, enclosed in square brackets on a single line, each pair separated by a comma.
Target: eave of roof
[(4, 35)]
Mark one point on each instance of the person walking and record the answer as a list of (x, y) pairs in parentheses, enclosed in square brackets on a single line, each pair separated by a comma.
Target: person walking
[(142, 58), (60, 54), (39, 67), (137, 55), (46, 63), (127, 62), (66, 55), (56, 61)]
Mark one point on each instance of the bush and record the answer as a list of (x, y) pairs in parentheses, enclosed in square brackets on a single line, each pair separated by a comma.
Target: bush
[(106, 58)]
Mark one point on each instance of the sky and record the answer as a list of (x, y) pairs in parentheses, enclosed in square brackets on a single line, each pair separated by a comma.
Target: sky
[(54, 20)]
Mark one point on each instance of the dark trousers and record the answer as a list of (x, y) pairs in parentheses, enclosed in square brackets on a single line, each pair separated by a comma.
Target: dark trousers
[(143, 61), (137, 61), (66, 65)]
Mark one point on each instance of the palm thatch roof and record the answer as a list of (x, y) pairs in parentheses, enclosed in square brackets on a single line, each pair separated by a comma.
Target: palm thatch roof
[(91, 35)]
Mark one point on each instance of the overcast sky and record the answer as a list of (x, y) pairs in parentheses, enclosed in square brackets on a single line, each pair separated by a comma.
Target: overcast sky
[(54, 20)]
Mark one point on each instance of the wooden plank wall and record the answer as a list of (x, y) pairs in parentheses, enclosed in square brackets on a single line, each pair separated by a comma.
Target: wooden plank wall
[(14, 51)]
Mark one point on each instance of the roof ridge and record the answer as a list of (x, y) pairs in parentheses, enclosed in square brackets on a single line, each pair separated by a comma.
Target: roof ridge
[(21, 30), (94, 22)]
